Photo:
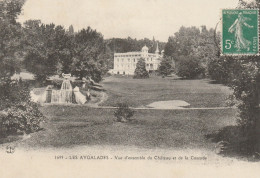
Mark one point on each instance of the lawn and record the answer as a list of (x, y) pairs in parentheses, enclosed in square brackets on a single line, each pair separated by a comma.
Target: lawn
[(141, 92), (68, 126), (74, 125)]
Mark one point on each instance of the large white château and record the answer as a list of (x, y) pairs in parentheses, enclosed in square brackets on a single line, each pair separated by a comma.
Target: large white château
[(125, 63)]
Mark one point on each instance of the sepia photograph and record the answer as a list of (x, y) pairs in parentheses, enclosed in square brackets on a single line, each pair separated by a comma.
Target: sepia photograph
[(129, 88)]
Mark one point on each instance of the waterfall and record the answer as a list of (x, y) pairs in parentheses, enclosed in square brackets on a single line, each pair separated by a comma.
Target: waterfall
[(64, 95)]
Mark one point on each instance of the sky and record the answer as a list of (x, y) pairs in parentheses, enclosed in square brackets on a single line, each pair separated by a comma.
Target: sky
[(122, 18)]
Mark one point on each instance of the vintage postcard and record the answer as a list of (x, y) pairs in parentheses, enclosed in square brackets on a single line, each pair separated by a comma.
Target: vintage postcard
[(129, 89)]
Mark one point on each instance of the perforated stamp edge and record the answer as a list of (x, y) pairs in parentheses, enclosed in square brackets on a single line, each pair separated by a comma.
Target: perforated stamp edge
[(221, 26)]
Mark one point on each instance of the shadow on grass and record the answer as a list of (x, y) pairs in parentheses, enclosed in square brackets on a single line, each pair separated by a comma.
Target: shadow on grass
[(210, 81), (9, 139), (13, 136), (231, 142), (214, 82)]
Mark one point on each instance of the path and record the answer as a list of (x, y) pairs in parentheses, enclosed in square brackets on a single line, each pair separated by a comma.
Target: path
[(147, 108)]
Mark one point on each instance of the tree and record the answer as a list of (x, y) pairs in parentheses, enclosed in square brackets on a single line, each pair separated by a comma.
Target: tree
[(140, 70), (243, 76), (192, 41), (88, 61), (47, 46), (122, 45), (21, 115), (219, 69), (166, 66), (184, 42), (189, 67), (41, 66), (10, 35)]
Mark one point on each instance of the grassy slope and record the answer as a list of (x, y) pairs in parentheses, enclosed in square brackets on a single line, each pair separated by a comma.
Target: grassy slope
[(69, 126), (138, 92)]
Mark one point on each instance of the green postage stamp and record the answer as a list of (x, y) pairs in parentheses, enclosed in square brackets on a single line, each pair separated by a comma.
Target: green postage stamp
[(240, 32)]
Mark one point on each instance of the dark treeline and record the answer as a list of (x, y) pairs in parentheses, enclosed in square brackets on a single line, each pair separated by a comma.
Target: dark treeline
[(51, 49), (192, 49), (122, 45)]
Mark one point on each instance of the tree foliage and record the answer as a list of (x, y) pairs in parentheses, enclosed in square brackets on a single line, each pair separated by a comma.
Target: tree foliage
[(166, 66), (190, 67), (140, 70), (46, 47), (242, 74), (195, 42), (10, 35), (21, 115), (122, 45), (88, 58), (219, 69)]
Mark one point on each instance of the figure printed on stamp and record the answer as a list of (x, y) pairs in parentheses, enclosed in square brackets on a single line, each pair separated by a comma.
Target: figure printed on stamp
[(237, 28)]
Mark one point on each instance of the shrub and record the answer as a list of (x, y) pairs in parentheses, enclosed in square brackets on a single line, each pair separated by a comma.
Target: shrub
[(22, 118), (21, 115), (13, 93), (123, 113)]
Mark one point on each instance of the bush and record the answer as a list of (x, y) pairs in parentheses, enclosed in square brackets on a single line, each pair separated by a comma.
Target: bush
[(21, 115), (190, 67), (140, 70), (13, 93), (22, 118), (123, 113)]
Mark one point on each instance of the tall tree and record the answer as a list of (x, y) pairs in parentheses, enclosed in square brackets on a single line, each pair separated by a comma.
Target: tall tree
[(10, 35), (47, 46), (192, 42), (88, 60), (166, 67), (20, 113), (190, 67), (140, 70)]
